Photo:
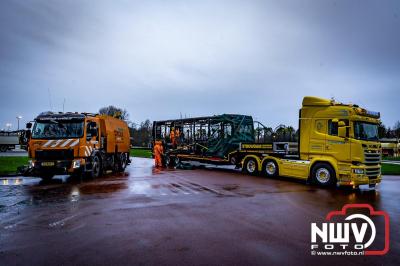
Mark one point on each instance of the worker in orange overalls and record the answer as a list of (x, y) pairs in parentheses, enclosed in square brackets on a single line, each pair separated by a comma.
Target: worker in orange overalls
[(177, 135), (172, 137), (158, 153)]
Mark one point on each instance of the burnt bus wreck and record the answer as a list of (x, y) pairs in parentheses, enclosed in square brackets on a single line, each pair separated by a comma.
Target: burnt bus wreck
[(221, 139)]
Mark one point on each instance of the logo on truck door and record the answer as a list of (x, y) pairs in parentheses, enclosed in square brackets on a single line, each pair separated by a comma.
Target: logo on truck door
[(357, 229)]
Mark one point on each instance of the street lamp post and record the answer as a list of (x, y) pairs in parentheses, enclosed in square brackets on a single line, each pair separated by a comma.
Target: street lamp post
[(18, 118)]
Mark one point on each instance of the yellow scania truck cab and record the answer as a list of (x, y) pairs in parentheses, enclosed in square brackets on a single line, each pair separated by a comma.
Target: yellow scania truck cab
[(338, 144)]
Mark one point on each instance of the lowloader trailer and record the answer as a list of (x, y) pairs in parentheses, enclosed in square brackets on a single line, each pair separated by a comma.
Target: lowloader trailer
[(338, 144), (77, 143)]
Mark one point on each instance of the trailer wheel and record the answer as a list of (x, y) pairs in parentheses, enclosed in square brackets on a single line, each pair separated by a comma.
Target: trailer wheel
[(96, 167), (167, 161), (323, 174), (250, 166), (270, 168), (3, 148), (177, 161)]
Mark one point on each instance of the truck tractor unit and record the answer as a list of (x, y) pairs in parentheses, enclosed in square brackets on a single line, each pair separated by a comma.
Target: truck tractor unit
[(11, 139), (337, 144), (77, 143)]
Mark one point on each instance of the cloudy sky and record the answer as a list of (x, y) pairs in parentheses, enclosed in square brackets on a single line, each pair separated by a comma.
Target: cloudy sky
[(160, 59)]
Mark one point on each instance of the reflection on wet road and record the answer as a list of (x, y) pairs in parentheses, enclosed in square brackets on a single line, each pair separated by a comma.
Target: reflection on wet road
[(154, 216)]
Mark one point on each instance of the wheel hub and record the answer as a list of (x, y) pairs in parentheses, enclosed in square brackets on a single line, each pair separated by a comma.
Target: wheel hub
[(270, 168), (251, 166), (323, 175)]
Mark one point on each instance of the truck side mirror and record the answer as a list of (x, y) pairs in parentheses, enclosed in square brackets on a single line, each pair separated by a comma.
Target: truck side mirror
[(29, 125), (342, 129), (94, 132), (342, 132), (28, 135)]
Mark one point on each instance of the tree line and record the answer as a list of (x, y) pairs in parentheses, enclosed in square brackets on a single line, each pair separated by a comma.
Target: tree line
[(387, 132), (141, 133)]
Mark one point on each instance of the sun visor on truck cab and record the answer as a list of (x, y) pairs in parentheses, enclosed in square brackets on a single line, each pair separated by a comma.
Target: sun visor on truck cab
[(315, 101), (59, 116)]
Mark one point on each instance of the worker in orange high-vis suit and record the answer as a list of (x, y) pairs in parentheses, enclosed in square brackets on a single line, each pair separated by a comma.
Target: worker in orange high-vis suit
[(177, 136), (172, 137), (158, 153)]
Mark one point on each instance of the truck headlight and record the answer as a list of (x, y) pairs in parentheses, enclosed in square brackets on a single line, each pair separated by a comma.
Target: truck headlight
[(31, 164), (76, 164), (358, 171)]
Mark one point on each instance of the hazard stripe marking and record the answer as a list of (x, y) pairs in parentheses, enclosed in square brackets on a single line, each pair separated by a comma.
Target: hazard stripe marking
[(87, 149), (47, 143), (57, 142), (74, 143), (66, 143)]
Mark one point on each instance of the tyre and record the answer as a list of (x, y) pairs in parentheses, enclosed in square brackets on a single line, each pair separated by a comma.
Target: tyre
[(323, 174), (250, 166), (3, 148), (270, 168), (176, 161), (122, 162), (96, 167), (167, 161)]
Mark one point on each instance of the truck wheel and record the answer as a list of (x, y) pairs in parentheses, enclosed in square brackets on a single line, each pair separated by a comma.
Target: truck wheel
[(174, 161), (96, 167), (323, 174), (167, 161), (250, 166), (122, 162), (3, 148), (270, 168)]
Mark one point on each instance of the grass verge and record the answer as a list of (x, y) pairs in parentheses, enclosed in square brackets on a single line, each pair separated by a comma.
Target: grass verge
[(144, 153), (9, 164), (391, 158), (390, 169)]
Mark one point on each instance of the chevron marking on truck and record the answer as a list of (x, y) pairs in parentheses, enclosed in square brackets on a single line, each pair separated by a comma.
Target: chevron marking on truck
[(57, 142), (87, 151), (66, 143), (74, 143), (47, 143)]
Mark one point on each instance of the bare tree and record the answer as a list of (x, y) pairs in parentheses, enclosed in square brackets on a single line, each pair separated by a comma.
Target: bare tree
[(115, 112)]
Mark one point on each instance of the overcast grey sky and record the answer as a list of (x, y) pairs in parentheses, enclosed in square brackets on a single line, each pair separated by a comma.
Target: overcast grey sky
[(158, 59)]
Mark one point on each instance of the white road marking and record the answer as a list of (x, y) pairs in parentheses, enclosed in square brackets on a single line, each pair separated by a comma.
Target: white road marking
[(61, 222)]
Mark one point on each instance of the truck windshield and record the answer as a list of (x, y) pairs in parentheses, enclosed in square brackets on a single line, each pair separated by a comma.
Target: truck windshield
[(57, 129), (365, 131)]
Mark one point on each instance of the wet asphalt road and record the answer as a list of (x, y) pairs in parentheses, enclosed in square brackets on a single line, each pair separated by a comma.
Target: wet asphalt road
[(176, 217)]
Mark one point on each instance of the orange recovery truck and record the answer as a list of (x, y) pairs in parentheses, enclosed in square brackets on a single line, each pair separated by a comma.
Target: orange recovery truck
[(77, 143)]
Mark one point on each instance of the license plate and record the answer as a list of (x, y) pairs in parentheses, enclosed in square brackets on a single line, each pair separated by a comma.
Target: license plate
[(47, 163)]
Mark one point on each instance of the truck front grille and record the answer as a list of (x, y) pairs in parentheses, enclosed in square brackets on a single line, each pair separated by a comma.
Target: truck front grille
[(373, 173), (54, 155), (372, 158)]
